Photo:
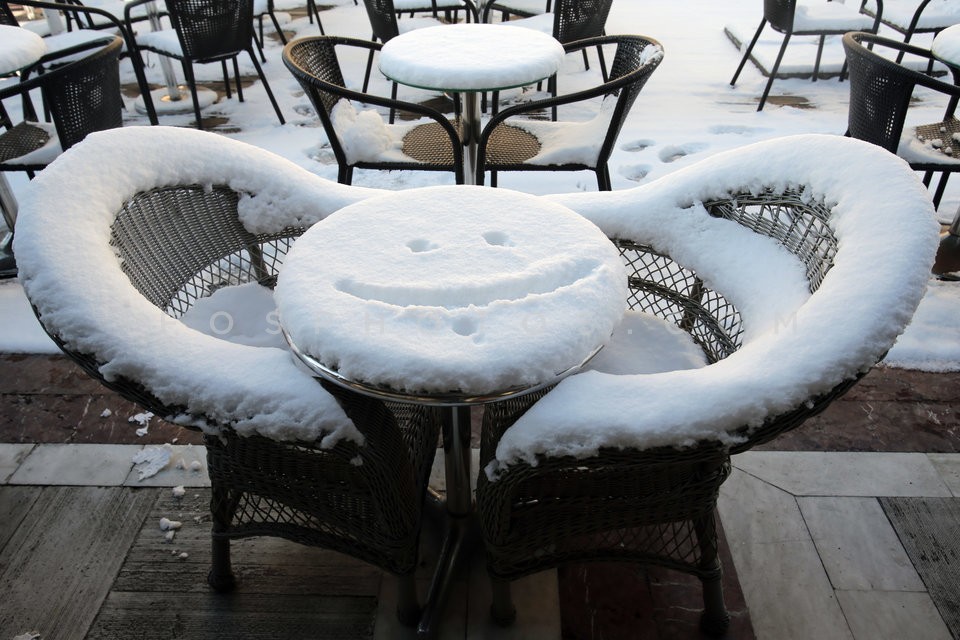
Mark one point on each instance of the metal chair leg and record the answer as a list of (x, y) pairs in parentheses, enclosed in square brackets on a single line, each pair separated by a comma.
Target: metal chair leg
[(266, 85), (746, 54), (773, 72), (408, 608)]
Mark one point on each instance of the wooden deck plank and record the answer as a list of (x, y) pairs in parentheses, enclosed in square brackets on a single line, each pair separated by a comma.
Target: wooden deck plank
[(15, 503), (285, 590), (57, 567), (211, 616), (262, 565)]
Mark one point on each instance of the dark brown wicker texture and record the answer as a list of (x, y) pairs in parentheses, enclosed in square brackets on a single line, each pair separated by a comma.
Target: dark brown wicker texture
[(82, 96), (880, 94), (654, 506), (503, 147), (780, 15), (178, 244), (313, 62), (209, 31)]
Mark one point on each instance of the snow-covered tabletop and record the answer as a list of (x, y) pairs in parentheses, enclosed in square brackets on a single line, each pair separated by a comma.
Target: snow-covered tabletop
[(457, 291), (19, 48), (946, 46), (470, 57)]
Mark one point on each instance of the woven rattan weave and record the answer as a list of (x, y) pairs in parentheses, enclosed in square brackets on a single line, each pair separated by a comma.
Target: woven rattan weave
[(652, 506), (179, 244)]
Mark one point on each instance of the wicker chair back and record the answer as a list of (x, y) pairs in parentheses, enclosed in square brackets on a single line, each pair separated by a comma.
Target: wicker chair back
[(212, 29), (578, 19), (383, 19)]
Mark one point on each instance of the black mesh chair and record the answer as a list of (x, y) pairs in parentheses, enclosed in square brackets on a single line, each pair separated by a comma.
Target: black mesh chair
[(569, 21), (880, 96), (513, 141), (434, 146), (814, 18), (205, 31), (92, 19), (173, 244), (655, 503), (81, 95), (909, 17)]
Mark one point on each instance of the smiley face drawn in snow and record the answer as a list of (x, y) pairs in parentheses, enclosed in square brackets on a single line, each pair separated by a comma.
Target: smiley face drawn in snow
[(452, 287)]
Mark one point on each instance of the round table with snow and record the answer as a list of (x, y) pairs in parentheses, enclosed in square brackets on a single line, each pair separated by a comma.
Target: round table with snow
[(452, 296), (470, 59)]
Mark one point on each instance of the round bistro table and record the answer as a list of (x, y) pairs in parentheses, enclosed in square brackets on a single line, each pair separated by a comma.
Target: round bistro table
[(450, 296), (469, 59)]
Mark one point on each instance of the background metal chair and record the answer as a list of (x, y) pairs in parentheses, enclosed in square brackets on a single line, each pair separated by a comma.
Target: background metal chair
[(880, 96), (93, 20), (81, 96), (205, 31), (174, 244), (806, 18), (434, 146), (513, 141), (656, 504), (909, 17)]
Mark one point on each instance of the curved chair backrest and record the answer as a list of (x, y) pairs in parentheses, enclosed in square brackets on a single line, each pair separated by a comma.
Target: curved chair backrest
[(578, 19), (383, 19), (212, 29), (313, 62), (780, 13), (631, 68), (83, 96), (880, 89)]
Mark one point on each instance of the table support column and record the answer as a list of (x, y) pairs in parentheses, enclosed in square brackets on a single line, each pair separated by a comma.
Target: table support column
[(471, 135), (459, 509)]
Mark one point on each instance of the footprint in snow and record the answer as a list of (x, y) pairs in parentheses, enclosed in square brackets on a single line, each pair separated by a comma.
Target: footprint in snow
[(637, 145), (672, 153), (636, 172)]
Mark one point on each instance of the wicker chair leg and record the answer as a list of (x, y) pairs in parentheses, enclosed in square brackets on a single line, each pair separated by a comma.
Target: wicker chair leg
[(221, 577), (408, 607), (715, 621), (502, 610)]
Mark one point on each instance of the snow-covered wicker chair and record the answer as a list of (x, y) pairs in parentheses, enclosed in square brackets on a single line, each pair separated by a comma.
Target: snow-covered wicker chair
[(792, 265), (116, 245)]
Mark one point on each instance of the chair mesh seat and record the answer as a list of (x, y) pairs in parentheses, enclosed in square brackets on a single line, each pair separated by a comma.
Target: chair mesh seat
[(947, 131), (509, 145), (21, 140), (430, 144)]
